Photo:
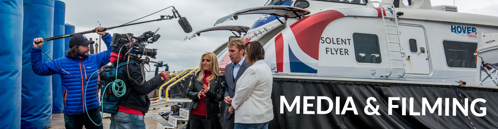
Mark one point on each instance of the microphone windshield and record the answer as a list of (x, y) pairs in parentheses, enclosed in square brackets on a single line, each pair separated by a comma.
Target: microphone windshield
[(185, 24)]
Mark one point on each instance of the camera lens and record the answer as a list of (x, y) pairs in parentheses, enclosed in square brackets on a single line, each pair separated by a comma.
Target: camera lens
[(146, 51), (151, 53)]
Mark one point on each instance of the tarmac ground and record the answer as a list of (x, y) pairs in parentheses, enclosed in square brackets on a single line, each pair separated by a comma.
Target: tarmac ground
[(151, 119)]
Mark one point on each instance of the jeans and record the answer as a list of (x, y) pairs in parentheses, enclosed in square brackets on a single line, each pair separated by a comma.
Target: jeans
[(123, 120), (251, 126), (77, 121)]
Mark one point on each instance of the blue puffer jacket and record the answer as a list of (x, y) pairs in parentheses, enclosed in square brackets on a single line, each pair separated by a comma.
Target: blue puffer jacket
[(72, 87)]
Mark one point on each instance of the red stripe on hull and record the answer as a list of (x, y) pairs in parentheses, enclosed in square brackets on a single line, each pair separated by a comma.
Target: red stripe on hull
[(309, 30), (279, 51)]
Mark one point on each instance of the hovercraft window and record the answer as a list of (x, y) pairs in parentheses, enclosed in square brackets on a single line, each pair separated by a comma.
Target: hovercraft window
[(276, 2), (460, 54), (360, 2), (366, 48), (413, 45)]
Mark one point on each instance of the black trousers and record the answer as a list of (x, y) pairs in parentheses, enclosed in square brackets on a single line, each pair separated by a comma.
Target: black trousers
[(201, 122), (230, 122), (77, 121)]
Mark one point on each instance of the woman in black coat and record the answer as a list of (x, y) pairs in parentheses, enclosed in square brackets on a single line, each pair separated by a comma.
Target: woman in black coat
[(206, 91)]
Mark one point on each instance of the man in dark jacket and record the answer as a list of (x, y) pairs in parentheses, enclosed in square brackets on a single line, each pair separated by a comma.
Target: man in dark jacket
[(135, 103), (233, 71), (76, 69)]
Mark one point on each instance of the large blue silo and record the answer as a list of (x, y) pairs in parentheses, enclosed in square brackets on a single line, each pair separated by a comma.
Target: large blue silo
[(58, 51), (36, 109), (11, 12), (69, 29)]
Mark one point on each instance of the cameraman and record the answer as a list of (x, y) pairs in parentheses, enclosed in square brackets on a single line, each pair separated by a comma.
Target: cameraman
[(75, 69), (135, 103)]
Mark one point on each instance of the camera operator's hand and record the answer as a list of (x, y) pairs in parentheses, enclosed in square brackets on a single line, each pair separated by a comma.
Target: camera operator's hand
[(100, 31), (166, 75), (40, 40)]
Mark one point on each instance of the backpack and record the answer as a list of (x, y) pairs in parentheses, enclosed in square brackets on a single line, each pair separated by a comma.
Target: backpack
[(109, 100)]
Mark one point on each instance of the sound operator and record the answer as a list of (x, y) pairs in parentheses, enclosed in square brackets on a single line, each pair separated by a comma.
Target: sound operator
[(75, 69)]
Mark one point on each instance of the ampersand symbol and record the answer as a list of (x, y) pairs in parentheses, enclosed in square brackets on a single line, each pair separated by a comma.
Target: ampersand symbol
[(375, 111)]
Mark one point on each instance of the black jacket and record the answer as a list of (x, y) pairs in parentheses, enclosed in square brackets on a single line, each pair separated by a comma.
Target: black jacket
[(136, 96), (213, 96)]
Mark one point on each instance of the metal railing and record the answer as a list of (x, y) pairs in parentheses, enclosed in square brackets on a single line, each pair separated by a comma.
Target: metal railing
[(173, 81)]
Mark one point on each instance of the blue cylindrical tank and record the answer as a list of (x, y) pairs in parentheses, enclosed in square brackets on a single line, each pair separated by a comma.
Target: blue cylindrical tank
[(59, 16), (69, 29), (36, 109), (10, 73)]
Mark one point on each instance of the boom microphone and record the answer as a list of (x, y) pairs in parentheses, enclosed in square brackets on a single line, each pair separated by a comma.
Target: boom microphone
[(185, 25)]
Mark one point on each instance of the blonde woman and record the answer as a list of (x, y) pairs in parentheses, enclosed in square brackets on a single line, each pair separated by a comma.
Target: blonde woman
[(206, 91)]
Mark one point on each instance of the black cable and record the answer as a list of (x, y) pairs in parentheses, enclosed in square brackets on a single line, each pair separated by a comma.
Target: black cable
[(141, 72), (148, 70), (147, 15)]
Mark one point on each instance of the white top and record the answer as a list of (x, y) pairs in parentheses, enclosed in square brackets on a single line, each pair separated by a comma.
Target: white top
[(252, 100)]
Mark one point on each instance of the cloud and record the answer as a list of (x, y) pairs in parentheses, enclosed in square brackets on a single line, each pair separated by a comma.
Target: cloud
[(482, 7), (172, 48)]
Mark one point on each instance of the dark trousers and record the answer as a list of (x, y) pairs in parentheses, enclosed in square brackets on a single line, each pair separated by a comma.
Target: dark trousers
[(229, 123), (201, 122), (77, 121)]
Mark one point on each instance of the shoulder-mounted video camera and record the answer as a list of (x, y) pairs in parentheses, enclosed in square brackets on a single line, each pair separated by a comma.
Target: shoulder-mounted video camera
[(135, 46)]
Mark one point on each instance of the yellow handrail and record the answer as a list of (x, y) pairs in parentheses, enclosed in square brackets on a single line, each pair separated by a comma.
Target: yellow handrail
[(167, 89), (178, 76), (171, 79)]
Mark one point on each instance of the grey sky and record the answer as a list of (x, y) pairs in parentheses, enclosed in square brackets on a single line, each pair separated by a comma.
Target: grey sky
[(180, 54)]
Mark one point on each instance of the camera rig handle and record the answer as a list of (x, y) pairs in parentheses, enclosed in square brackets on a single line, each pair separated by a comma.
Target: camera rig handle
[(161, 64), (157, 64)]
